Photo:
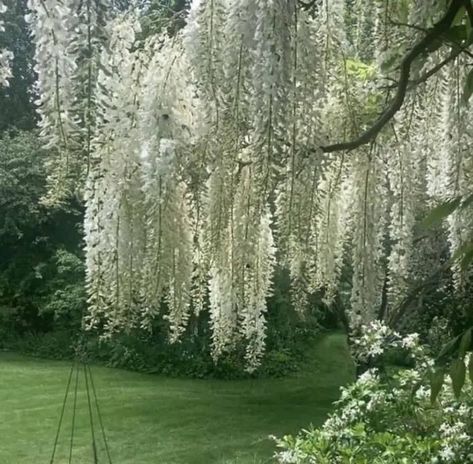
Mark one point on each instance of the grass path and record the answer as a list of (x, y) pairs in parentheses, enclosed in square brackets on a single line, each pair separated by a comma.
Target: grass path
[(159, 420)]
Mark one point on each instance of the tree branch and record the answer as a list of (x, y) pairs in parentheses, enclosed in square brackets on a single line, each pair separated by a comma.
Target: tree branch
[(435, 68), (419, 48), (410, 26), (439, 66)]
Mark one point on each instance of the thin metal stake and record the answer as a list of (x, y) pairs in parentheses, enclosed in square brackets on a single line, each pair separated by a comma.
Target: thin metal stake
[(74, 415), (104, 436), (62, 414), (94, 446)]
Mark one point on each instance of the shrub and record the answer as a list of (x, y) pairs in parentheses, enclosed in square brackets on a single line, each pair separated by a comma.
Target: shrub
[(51, 345), (387, 417)]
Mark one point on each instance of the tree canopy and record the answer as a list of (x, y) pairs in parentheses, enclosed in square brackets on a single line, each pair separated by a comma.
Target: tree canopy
[(257, 134)]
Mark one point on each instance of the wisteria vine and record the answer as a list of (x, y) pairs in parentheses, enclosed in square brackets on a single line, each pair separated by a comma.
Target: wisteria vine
[(201, 161)]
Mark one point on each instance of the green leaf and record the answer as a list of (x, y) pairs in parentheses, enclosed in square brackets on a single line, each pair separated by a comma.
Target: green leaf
[(469, 31), (461, 13), (470, 368), (458, 374), (456, 34), (468, 87), (467, 258), (360, 70), (464, 255), (449, 347), (465, 343), (436, 383), (441, 211)]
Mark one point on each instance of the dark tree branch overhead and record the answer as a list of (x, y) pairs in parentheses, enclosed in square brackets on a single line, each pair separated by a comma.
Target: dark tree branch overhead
[(455, 53), (410, 26), (436, 32), (439, 66)]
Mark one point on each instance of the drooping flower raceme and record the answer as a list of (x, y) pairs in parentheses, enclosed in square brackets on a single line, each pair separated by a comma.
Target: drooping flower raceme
[(5, 55), (202, 167)]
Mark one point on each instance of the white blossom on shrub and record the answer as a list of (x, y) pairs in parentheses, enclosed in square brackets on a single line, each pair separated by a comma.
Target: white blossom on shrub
[(389, 418)]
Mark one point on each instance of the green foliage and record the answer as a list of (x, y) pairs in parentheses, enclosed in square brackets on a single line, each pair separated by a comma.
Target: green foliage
[(453, 354), (459, 346), (458, 374), (470, 369), (22, 180), (288, 342), (436, 384), (468, 88), (162, 16), (464, 255), (41, 269), (64, 293), (441, 211), (365, 447), (356, 69), (388, 418), (465, 343), (390, 62), (57, 344)]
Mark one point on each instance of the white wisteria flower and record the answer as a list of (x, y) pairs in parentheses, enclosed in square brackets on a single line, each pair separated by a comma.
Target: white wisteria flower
[(200, 155)]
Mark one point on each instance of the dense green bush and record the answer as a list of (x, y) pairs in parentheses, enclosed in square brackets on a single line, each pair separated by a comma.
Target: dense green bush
[(41, 270), (379, 421), (62, 300), (152, 353), (58, 344)]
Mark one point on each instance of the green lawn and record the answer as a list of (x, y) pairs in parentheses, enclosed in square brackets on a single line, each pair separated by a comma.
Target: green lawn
[(151, 419)]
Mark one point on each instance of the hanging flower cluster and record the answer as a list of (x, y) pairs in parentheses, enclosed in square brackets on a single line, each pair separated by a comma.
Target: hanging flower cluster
[(202, 159), (5, 55), (68, 35)]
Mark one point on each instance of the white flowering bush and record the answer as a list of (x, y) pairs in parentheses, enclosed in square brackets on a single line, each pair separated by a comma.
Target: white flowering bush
[(376, 340), (389, 417)]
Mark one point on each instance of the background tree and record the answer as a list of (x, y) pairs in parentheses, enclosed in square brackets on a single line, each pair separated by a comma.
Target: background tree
[(17, 98), (41, 272)]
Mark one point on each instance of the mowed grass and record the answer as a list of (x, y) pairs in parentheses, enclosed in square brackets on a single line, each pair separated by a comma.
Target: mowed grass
[(151, 419)]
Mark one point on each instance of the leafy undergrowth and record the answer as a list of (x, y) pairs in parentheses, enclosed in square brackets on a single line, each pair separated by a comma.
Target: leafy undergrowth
[(151, 419)]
